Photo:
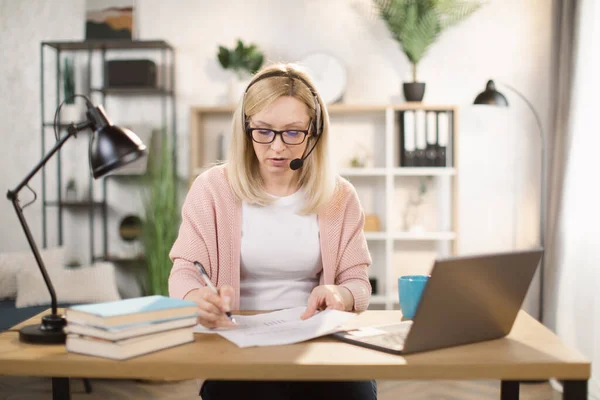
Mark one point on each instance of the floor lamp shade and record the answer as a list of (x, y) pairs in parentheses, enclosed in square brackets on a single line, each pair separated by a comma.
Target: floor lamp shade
[(491, 96)]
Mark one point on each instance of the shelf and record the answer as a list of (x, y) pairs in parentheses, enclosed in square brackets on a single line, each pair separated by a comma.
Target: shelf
[(370, 235), (424, 171), (75, 204), (121, 44), (341, 108), (134, 91), (423, 236), (120, 260), (362, 171)]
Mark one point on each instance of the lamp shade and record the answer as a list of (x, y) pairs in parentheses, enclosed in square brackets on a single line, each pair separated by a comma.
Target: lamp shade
[(113, 147), (491, 96)]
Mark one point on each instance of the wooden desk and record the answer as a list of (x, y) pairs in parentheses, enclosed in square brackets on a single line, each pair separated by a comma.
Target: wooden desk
[(530, 352)]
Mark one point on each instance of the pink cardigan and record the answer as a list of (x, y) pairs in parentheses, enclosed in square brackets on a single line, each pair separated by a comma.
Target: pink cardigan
[(210, 233)]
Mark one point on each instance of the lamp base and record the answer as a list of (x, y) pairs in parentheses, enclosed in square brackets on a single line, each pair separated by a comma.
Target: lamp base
[(50, 331)]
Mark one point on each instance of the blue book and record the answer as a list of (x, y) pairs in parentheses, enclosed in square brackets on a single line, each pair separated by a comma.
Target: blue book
[(130, 311)]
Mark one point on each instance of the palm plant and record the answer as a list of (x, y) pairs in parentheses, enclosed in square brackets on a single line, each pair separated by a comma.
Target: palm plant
[(161, 221), (417, 24)]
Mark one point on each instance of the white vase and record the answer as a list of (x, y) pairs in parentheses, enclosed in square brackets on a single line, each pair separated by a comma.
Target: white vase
[(70, 113), (237, 86)]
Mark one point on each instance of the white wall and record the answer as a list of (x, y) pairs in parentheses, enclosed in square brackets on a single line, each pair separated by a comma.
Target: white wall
[(508, 40)]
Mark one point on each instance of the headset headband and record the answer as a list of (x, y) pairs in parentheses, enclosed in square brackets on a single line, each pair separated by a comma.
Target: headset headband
[(287, 74)]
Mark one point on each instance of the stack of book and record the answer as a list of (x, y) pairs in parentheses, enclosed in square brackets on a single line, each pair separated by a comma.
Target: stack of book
[(128, 328)]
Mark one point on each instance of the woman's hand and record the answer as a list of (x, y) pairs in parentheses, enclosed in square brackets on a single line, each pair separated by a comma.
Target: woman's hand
[(330, 297), (212, 306)]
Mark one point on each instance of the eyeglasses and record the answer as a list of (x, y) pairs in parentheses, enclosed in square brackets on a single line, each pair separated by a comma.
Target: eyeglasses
[(266, 136)]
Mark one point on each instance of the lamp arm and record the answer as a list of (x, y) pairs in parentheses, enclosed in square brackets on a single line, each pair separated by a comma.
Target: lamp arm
[(535, 114), (13, 196), (542, 193)]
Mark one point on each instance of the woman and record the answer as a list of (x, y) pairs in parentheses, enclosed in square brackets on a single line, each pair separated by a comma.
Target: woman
[(274, 227)]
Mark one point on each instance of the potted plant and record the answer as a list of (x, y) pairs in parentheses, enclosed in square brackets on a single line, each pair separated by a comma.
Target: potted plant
[(243, 60), (69, 111), (161, 214), (416, 25)]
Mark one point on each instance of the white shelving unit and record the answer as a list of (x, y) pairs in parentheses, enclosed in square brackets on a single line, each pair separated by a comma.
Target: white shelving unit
[(382, 185)]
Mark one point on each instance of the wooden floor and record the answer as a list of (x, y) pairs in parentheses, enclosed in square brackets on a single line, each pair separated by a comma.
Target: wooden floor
[(37, 388)]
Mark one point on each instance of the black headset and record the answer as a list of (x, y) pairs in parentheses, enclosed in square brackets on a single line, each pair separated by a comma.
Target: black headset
[(318, 123)]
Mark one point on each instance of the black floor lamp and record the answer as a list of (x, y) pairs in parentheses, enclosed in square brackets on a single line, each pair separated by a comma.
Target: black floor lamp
[(111, 147), (490, 96)]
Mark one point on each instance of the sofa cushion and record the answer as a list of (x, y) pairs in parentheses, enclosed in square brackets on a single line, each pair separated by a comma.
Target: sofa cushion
[(87, 284), (12, 263)]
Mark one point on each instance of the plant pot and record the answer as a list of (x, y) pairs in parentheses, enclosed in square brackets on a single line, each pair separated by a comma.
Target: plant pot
[(237, 87), (414, 91), (70, 113)]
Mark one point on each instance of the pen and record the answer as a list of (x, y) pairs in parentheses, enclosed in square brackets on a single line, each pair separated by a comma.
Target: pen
[(210, 285)]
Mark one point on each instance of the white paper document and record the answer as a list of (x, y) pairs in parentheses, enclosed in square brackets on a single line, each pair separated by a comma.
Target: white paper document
[(280, 327)]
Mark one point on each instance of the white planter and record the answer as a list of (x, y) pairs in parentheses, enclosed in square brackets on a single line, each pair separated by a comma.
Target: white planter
[(71, 113), (237, 86)]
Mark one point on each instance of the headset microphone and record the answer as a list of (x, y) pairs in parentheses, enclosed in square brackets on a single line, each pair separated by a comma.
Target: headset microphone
[(297, 163)]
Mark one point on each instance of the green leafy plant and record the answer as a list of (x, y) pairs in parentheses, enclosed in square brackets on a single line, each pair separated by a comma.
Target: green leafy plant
[(161, 219), (242, 59), (69, 81), (417, 24)]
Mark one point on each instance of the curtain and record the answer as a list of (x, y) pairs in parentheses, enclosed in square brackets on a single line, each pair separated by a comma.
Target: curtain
[(572, 260)]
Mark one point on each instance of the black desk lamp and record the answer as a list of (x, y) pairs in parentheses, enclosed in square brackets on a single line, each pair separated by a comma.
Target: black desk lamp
[(490, 96), (111, 147)]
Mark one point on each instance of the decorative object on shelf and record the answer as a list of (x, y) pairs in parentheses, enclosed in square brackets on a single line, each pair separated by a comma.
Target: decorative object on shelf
[(130, 228), (413, 214), (109, 19), (70, 110), (110, 148), (490, 96), (130, 231), (372, 223), (328, 74), (362, 158), (416, 25), (73, 263), (161, 216), (71, 190), (131, 73), (243, 60)]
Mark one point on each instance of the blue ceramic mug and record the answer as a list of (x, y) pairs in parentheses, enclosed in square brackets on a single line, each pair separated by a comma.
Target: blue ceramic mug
[(410, 289)]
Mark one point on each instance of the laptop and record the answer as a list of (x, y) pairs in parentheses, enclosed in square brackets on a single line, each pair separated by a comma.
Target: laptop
[(467, 299)]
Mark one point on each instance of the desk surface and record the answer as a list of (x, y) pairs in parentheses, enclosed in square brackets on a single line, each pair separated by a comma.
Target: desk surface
[(529, 352)]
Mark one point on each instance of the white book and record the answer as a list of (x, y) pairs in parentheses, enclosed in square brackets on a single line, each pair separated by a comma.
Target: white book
[(431, 127), (409, 131), (421, 141), (128, 348), (443, 129), (128, 331)]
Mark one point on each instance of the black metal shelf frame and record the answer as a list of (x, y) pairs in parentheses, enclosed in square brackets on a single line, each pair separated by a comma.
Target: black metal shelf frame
[(167, 55)]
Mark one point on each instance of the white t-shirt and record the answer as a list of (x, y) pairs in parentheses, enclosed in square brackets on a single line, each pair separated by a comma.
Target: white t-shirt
[(280, 255)]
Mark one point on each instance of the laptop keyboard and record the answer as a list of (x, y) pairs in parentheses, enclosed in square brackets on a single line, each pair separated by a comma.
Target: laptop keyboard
[(393, 336)]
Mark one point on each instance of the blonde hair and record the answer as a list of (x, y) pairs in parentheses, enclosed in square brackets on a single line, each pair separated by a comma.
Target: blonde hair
[(316, 177)]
